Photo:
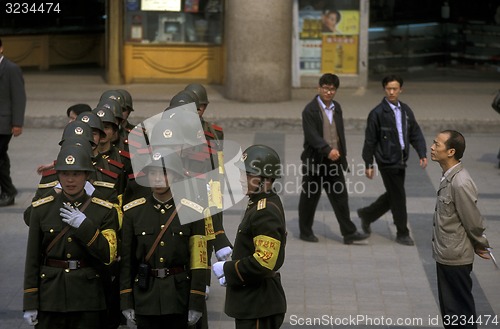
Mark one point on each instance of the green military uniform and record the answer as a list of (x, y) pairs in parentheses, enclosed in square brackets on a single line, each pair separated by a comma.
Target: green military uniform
[(66, 280), (254, 289), (178, 265)]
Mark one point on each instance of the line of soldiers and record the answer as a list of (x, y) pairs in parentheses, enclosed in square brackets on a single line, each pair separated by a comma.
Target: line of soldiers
[(124, 222)]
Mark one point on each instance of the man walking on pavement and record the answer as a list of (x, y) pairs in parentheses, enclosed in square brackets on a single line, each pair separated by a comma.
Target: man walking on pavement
[(391, 128), (324, 161), (12, 107)]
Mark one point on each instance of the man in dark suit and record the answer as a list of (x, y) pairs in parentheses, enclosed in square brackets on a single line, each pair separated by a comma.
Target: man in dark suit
[(12, 106), (324, 160)]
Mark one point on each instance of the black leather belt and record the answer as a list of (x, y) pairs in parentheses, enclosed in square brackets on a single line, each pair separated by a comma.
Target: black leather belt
[(164, 272), (71, 264)]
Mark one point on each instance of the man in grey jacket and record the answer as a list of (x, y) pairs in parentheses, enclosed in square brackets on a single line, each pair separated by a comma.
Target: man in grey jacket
[(12, 107), (457, 232)]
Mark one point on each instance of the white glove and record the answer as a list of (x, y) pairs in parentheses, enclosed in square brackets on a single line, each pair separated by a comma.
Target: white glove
[(222, 281), (129, 314), (218, 269), (193, 317), (207, 292), (31, 317), (72, 216), (223, 253)]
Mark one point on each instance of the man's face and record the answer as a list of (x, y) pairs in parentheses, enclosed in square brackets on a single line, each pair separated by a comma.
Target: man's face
[(392, 91), (327, 93), (201, 109), (110, 132), (157, 179), (72, 182), (439, 153)]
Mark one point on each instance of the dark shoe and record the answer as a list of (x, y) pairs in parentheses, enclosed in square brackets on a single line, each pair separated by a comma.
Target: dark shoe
[(6, 200), (356, 236), (405, 240), (365, 223), (309, 238)]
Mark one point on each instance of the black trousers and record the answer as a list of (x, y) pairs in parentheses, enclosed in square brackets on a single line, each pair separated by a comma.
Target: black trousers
[(455, 296), (269, 322), (394, 199), (69, 320), (171, 321), (5, 181), (332, 180)]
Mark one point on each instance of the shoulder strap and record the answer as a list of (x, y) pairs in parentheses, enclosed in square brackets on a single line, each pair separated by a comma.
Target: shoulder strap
[(64, 230), (162, 232)]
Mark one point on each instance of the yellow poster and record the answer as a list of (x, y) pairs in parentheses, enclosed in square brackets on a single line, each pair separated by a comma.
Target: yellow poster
[(339, 54)]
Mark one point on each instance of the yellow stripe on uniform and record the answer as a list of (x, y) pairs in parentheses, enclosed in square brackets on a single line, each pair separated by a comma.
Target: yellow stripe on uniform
[(266, 251), (39, 202), (110, 235), (198, 248), (47, 185), (102, 202), (135, 203)]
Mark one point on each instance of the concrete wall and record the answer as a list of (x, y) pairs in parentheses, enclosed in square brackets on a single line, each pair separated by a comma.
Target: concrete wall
[(258, 36)]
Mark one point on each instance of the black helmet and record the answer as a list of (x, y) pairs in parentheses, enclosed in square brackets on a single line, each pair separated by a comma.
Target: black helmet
[(189, 124), (127, 99), (200, 91), (184, 97), (114, 106), (166, 159), (166, 132), (106, 115), (79, 141), (79, 129), (114, 95), (92, 120), (261, 160), (73, 157)]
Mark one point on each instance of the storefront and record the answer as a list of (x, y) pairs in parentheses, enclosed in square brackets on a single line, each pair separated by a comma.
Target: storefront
[(173, 40)]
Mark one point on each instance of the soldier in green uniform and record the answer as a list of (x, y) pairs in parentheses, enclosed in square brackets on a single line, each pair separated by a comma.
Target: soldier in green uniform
[(216, 236), (254, 294), (72, 237), (163, 261)]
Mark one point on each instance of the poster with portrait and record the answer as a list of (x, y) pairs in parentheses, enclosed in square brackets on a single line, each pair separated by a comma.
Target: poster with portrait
[(328, 31)]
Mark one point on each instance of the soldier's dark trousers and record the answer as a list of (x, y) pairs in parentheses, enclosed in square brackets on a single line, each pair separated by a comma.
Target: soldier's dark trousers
[(68, 320), (269, 322), (172, 321), (5, 180)]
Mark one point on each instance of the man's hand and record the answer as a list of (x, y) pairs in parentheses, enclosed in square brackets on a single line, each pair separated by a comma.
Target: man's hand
[(41, 168), (72, 216), (218, 269), (483, 253), (16, 131), (423, 163), (31, 317), (193, 317), (369, 173), (129, 314), (223, 253), (334, 155)]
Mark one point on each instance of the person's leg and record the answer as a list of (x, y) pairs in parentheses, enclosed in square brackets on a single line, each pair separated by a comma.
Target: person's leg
[(377, 208), (5, 180), (269, 322), (455, 295), (394, 182), (308, 201), (336, 191)]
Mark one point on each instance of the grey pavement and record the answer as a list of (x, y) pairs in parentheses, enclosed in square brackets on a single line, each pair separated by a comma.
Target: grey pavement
[(377, 284)]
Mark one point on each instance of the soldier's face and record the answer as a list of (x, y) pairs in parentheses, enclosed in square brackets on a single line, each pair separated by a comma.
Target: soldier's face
[(72, 182), (157, 179)]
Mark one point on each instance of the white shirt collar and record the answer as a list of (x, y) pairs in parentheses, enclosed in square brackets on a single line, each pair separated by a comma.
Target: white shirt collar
[(448, 171)]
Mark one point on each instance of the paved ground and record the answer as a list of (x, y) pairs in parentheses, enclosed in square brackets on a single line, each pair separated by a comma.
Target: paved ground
[(380, 282)]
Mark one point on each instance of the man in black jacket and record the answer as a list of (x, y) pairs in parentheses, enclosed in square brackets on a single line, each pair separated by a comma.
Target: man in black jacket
[(12, 107), (391, 128), (324, 160)]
